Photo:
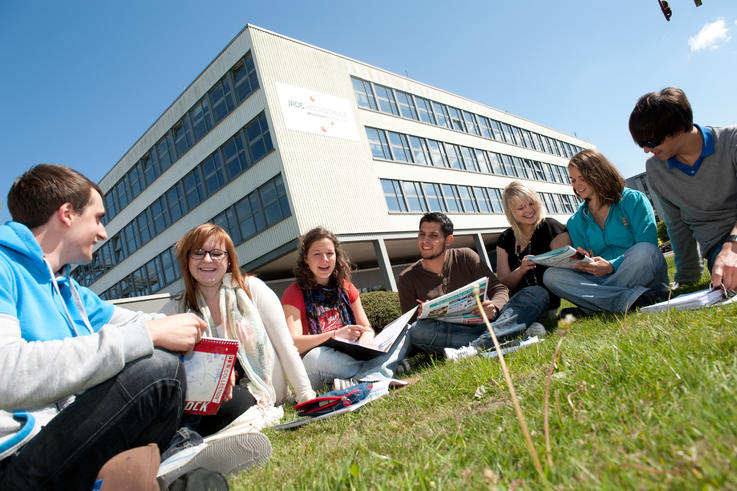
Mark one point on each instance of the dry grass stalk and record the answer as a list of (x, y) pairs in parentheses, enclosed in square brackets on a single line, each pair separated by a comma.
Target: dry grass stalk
[(512, 392)]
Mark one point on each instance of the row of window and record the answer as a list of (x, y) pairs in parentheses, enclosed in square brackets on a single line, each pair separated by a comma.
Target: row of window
[(370, 95), (251, 144), (390, 145), (232, 89), (421, 197), (262, 208)]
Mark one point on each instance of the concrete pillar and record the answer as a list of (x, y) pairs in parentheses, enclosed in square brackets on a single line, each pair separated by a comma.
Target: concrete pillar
[(481, 250), (385, 265)]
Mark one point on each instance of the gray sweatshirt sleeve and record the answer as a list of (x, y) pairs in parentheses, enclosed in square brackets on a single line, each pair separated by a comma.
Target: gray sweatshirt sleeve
[(37, 373)]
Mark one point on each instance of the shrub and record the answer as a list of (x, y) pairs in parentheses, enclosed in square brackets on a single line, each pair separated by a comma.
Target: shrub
[(663, 232), (381, 308)]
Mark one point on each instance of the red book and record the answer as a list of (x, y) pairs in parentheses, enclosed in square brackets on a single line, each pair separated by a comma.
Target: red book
[(208, 367)]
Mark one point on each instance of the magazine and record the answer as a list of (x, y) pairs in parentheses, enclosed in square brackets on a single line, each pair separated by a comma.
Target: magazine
[(382, 342), (689, 301), (457, 306), (208, 367), (563, 257)]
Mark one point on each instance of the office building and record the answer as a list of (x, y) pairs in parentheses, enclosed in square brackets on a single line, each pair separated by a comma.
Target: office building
[(276, 136)]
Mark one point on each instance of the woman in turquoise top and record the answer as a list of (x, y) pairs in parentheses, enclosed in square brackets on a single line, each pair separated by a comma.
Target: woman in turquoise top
[(615, 227)]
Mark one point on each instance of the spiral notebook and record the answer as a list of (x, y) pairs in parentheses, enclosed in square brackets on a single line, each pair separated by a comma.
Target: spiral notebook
[(208, 367)]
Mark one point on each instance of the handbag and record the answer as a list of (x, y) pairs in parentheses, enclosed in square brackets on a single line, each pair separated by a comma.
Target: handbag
[(334, 400)]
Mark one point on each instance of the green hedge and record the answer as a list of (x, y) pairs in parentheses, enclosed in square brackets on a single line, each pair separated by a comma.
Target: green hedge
[(381, 308)]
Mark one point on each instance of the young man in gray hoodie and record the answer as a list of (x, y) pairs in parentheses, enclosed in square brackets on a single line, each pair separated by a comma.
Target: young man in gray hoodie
[(80, 379)]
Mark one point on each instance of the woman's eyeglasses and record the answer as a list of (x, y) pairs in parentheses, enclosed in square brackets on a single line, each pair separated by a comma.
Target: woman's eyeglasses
[(215, 254)]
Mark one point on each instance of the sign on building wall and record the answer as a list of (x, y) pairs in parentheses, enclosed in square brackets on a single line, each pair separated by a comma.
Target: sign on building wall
[(314, 112)]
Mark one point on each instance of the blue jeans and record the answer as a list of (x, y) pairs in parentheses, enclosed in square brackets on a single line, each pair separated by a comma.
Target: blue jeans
[(642, 269), (712, 254), (324, 364), (524, 308), (141, 405)]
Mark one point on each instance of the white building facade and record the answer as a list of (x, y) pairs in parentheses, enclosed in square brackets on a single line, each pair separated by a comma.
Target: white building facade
[(276, 137)]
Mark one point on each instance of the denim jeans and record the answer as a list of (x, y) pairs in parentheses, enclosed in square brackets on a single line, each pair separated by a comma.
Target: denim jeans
[(712, 254), (324, 364), (524, 308), (642, 269), (141, 405)]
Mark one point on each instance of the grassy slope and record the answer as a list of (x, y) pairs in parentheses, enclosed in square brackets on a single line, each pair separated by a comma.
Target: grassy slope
[(652, 405)]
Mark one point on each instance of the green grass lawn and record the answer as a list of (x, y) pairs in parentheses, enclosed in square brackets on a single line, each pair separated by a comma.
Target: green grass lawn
[(642, 401)]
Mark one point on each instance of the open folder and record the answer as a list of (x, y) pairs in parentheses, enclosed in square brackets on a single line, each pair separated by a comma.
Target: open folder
[(382, 342)]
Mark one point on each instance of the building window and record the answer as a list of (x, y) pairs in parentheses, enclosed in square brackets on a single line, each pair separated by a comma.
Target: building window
[(424, 110), (469, 158), (406, 105), (434, 196), (378, 143), (452, 198), (414, 196), (441, 114), (364, 94), (471, 123), (468, 199), (455, 119), (437, 154), (393, 195), (385, 97), (420, 152), (400, 147), (454, 156)]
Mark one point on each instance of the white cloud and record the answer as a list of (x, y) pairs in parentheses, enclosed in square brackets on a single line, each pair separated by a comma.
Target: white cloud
[(710, 36)]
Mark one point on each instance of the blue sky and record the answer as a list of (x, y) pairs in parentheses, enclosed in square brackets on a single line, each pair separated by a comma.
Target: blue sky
[(82, 80)]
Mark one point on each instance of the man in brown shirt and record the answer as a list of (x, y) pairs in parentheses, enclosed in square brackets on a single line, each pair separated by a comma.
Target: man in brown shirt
[(441, 270)]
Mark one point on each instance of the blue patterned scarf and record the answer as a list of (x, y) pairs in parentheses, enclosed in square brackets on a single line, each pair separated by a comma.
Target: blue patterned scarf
[(320, 298)]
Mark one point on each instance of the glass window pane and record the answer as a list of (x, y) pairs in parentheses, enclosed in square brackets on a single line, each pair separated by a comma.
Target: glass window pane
[(434, 196), (469, 158), (378, 144), (452, 198), (437, 154), (420, 153), (441, 114), (400, 147), (406, 105), (414, 195), (471, 123), (456, 119), (386, 101), (468, 200), (425, 110), (364, 94), (393, 195)]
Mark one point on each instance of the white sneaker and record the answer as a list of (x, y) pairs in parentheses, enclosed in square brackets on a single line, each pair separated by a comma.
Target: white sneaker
[(536, 329), (228, 455), (344, 383), (458, 354)]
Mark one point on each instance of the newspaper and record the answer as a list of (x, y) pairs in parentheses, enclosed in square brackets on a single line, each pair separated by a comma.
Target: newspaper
[(457, 306), (563, 257)]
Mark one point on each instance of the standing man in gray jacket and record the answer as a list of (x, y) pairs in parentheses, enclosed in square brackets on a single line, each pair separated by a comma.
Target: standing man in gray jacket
[(80, 379), (693, 172)]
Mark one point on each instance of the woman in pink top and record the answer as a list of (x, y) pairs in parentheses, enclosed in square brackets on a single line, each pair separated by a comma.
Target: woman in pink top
[(323, 304)]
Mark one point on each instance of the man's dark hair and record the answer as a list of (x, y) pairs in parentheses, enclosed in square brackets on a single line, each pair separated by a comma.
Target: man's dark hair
[(38, 193), (436, 217), (660, 114)]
